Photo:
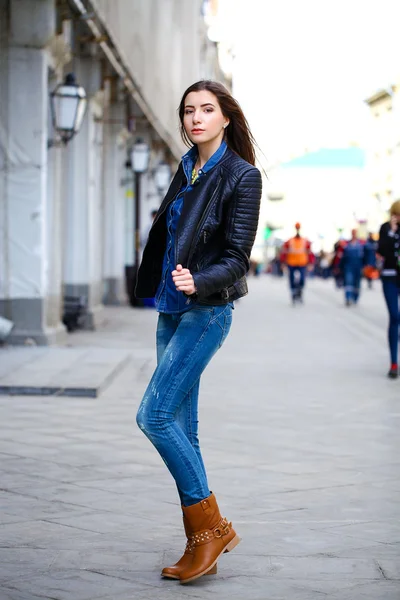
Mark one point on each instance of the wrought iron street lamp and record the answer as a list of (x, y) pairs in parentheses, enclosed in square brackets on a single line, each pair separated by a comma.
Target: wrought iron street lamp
[(68, 105), (140, 156), (162, 177)]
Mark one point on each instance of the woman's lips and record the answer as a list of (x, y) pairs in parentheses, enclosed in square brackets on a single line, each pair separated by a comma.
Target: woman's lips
[(196, 131)]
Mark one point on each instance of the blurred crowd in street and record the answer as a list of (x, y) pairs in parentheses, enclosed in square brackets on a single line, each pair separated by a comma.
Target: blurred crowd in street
[(351, 260), (346, 264)]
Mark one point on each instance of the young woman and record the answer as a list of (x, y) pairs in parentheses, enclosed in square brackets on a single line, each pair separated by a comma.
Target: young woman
[(195, 263), (389, 249)]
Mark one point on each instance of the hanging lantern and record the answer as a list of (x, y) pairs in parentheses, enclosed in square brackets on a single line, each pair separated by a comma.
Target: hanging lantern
[(68, 106), (140, 156)]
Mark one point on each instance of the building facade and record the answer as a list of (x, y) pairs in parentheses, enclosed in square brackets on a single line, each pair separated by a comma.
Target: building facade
[(67, 211), (384, 149)]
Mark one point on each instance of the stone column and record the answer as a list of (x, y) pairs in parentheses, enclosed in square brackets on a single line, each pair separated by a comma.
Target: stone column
[(83, 202), (114, 205), (55, 199), (25, 297)]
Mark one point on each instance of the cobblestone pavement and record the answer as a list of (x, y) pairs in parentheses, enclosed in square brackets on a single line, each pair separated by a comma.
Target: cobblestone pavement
[(300, 434)]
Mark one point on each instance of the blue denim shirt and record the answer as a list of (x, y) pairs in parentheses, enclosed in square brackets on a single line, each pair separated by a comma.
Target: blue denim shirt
[(168, 299)]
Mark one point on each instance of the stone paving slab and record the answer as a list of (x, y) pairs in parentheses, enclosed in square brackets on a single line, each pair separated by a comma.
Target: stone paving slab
[(59, 371), (300, 436)]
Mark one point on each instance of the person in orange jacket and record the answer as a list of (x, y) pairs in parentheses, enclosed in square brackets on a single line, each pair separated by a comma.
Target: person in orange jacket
[(296, 255)]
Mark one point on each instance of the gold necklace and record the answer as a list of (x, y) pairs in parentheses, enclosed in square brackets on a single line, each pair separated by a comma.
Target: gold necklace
[(194, 176), (195, 173)]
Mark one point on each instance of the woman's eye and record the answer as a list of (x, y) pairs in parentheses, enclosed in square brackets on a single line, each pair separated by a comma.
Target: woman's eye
[(208, 110), (188, 112)]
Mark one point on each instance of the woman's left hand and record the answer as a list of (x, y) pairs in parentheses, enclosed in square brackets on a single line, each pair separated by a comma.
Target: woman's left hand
[(183, 280)]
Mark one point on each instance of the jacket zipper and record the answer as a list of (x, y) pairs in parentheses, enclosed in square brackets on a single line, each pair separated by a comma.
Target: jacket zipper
[(176, 233), (202, 221)]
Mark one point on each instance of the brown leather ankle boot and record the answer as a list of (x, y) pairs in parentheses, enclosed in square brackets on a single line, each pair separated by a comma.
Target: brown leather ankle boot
[(186, 560), (212, 536)]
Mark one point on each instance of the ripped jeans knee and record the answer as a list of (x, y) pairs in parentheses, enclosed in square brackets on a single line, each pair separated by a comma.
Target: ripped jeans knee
[(152, 422)]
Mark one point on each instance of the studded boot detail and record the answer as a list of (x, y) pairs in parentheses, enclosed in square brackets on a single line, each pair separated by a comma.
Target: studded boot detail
[(186, 559), (212, 536)]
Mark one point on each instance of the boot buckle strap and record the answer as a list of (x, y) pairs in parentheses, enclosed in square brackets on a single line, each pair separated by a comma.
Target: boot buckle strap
[(222, 529), (206, 536)]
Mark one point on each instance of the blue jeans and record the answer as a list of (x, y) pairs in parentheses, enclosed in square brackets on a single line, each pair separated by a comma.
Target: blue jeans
[(352, 281), (391, 292), (168, 413), (301, 279)]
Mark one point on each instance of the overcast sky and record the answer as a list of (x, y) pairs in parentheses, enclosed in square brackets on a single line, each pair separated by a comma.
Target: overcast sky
[(304, 67)]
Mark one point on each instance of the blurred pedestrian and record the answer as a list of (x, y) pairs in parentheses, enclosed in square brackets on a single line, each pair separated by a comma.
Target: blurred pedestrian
[(370, 269), (195, 263), (351, 264), (336, 264), (275, 266), (322, 262), (297, 256), (389, 250)]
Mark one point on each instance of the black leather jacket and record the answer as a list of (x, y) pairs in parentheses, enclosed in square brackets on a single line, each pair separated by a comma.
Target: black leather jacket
[(389, 248), (215, 233)]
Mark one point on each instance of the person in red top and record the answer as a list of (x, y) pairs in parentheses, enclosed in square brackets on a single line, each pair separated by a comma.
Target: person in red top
[(296, 255), (337, 272)]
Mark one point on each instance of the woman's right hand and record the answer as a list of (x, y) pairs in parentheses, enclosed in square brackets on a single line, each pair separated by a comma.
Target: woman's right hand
[(393, 223)]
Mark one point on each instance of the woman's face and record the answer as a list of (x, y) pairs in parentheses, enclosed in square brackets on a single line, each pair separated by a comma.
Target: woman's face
[(203, 119)]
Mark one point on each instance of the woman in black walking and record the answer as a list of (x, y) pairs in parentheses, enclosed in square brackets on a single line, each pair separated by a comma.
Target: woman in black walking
[(389, 250)]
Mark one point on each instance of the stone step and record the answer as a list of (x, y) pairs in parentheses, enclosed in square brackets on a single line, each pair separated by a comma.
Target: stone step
[(59, 371)]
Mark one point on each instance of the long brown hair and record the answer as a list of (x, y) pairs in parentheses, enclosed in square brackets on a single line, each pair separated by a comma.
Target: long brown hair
[(237, 135)]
